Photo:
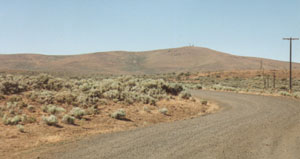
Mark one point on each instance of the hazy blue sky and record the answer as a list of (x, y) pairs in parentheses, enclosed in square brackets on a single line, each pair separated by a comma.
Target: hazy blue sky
[(241, 27)]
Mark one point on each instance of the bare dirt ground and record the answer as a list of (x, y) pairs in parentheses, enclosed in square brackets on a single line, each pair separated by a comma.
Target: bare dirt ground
[(248, 126), (13, 143)]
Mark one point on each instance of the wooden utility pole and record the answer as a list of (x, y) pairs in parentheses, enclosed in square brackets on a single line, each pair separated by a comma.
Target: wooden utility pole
[(261, 64), (263, 73), (290, 39), (268, 79), (274, 79)]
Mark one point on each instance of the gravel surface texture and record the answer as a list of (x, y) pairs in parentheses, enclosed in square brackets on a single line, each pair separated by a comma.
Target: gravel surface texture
[(247, 126)]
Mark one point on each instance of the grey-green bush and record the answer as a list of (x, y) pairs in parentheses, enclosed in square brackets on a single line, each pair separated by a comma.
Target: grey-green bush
[(284, 93), (67, 119), (119, 114), (77, 112), (20, 128), (185, 95), (46, 89), (11, 120), (52, 109), (296, 94), (50, 120), (163, 111), (91, 111)]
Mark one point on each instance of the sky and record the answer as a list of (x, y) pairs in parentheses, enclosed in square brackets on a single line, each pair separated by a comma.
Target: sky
[(64, 27)]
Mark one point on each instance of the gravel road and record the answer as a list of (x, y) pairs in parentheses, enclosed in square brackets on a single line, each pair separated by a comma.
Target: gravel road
[(247, 126)]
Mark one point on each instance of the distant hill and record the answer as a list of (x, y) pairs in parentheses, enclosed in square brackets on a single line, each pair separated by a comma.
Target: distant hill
[(193, 59)]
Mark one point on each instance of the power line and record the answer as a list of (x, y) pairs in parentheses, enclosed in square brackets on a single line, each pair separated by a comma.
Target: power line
[(290, 39)]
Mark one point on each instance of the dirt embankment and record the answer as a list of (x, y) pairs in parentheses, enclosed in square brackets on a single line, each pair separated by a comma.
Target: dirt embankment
[(15, 142)]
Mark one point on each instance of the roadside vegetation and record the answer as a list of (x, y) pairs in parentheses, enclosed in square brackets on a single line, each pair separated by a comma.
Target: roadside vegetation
[(42, 108), (251, 81), (65, 99)]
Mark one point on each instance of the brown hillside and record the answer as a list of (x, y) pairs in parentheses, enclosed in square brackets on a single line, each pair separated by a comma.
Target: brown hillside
[(158, 61)]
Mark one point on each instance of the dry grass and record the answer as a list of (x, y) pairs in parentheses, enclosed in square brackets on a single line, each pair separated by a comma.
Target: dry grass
[(37, 134), (193, 59), (249, 81), (40, 105)]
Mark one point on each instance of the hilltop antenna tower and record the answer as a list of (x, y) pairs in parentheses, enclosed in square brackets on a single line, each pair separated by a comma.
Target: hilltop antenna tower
[(290, 39)]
